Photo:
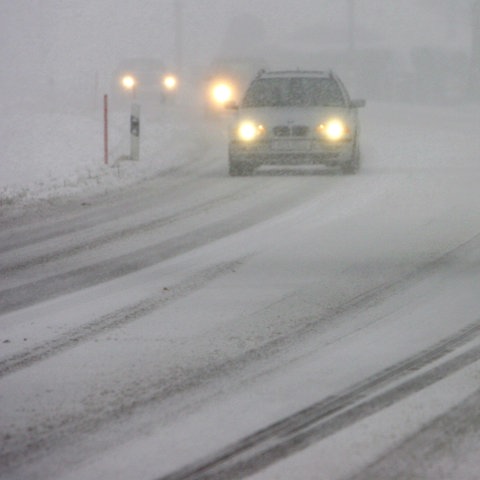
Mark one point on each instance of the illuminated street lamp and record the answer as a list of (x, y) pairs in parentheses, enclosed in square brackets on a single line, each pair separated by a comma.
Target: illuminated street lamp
[(351, 39)]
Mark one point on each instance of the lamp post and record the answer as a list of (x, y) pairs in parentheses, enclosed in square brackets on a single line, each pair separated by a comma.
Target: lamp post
[(475, 52), (178, 35), (351, 40)]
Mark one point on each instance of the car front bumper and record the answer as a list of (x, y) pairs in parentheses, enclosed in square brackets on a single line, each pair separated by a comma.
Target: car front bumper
[(292, 152)]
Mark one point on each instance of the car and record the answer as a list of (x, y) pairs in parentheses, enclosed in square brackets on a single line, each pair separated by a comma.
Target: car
[(144, 79), (295, 118)]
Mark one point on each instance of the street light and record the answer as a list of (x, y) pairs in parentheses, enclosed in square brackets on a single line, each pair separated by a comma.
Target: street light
[(178, 35), (351, 39)]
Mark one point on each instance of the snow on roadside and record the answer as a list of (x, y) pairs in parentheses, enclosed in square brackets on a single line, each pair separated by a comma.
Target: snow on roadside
[(46, 155)]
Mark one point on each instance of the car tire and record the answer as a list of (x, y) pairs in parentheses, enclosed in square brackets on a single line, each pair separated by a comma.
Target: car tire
[(240, 169), (353, 166)]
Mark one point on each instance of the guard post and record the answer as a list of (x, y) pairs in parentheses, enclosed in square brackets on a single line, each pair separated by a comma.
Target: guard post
[(105, 129), (135, 132)]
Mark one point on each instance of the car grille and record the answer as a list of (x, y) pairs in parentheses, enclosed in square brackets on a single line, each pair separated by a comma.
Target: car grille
[(294, 131)]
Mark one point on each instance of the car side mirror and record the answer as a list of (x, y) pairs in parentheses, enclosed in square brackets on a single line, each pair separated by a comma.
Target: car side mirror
[(358, 103)]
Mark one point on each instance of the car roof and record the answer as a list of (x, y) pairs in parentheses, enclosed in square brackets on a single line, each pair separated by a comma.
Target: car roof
[(295, 74)]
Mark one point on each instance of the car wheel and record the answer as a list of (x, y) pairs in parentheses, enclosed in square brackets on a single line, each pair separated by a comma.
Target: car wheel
[(240, 169), (353, 166)]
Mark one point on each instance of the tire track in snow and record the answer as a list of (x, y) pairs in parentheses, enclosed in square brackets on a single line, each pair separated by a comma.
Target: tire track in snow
[(89, 243), (46, 288), (327, 417), (115, 319), (56, 431), (27, 294), (79, 216)]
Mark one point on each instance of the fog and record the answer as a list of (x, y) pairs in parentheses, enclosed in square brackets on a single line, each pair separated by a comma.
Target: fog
[(159, 316), (61, 54)]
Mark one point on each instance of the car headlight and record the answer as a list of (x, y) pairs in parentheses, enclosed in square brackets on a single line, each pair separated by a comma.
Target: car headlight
[(170, 82), (249, 131), (334, 130), (128, 82), (222, 93)]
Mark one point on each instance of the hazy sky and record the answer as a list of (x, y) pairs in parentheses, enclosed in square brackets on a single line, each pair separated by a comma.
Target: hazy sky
[(73, 42)]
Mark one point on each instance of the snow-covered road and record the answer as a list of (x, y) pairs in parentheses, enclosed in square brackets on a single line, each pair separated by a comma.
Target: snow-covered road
[(167, 324)]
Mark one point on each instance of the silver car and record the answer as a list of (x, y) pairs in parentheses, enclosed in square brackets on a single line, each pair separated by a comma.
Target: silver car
[(295, 118)]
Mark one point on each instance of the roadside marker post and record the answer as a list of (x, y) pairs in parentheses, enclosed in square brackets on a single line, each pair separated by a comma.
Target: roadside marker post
[(105, 129), (135, 132)]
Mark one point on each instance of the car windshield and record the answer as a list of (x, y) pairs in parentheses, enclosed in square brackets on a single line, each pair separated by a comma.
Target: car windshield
[(294, 92)]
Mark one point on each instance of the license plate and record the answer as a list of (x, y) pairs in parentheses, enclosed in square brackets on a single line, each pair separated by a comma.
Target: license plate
[(290, 145)]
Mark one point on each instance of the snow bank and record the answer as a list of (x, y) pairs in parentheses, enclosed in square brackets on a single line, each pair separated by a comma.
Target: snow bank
[(46, 155)]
